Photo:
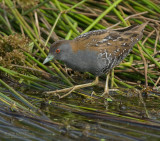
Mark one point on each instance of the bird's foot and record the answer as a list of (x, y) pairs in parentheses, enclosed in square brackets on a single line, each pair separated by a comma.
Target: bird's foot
[(66, 90), (71, 89), (106, 93)]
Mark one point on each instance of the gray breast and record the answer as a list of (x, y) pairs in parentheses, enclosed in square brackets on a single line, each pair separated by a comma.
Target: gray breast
[(83, 61)]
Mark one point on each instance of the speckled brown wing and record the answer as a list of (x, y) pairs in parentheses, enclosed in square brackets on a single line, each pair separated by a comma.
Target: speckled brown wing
[(89, 40), (123, 38)]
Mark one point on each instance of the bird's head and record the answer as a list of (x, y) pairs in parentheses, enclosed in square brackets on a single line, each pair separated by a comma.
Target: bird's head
[(58, 50)]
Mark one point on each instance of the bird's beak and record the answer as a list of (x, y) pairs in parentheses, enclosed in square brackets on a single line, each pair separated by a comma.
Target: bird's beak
[(48, 58)]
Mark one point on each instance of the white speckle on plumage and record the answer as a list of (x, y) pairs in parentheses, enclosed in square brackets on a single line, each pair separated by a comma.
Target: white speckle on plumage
[(96, 45), (124, 50), (124, 44), (114, 62), (108, 60), (109, 37), (106, 54), (104, 40)]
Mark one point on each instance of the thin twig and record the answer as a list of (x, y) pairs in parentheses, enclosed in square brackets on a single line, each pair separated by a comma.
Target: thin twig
[(37, 23), (145, 66), (156, 41), (131, 16), (157, 82), (148, 37), (53, 28)]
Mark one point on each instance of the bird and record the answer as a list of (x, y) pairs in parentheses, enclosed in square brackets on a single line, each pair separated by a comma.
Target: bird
[(96, 52)]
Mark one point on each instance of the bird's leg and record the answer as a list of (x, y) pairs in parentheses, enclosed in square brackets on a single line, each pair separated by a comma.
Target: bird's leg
[(71, 89), (112, 78), (106, 89)]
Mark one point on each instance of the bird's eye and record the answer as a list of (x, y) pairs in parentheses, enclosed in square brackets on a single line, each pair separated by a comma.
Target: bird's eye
[(57, 50)]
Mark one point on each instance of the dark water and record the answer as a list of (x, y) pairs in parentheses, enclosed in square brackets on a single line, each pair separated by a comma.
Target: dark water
[(79, 118)]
